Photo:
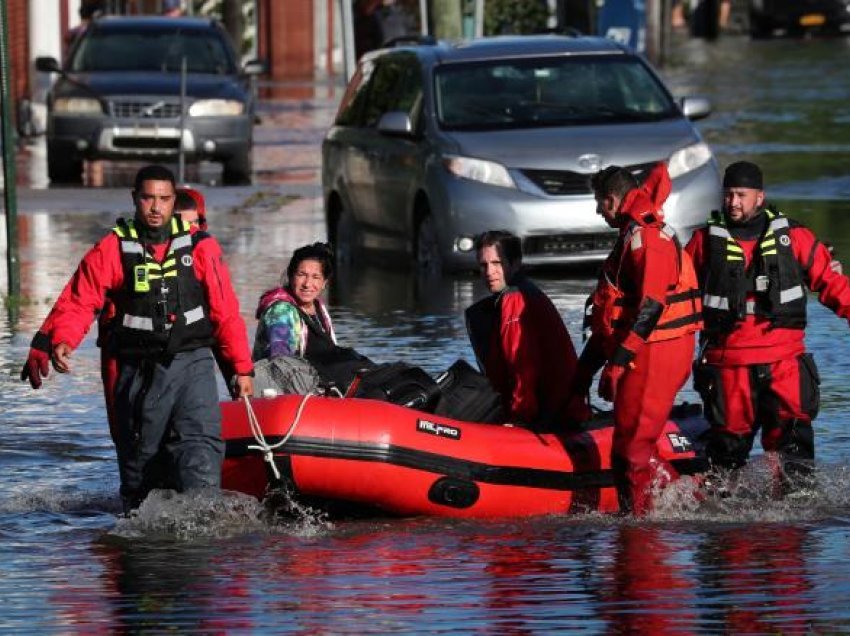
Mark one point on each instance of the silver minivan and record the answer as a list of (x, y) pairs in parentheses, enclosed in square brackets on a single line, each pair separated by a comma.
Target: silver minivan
[(435, 143)]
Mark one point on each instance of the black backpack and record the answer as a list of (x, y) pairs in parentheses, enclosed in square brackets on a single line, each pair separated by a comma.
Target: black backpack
[(466, 394), (396, 382), (338, 366)]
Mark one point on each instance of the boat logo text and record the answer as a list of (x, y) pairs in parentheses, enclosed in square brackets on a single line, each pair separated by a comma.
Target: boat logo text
[(440, 430), (680, 443)]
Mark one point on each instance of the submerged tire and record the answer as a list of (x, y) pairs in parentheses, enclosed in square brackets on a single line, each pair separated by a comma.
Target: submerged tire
[(427, 255)]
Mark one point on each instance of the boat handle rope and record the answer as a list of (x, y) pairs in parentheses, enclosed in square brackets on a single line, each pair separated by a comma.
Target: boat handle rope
[(262, 445)]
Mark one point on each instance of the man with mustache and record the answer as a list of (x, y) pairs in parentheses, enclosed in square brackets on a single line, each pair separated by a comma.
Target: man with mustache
[(753, 372)]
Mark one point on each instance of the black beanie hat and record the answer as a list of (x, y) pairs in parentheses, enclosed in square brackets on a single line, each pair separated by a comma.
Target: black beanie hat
[(743, 174)]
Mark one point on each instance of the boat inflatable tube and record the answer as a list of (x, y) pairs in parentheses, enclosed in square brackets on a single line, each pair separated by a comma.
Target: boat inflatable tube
[(377, 455)]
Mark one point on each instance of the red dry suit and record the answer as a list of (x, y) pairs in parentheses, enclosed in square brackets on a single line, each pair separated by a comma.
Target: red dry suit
[(755, 372), (523, 347), (645, 311)]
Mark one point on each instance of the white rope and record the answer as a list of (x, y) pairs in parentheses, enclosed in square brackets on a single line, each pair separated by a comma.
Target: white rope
[(262, 445)]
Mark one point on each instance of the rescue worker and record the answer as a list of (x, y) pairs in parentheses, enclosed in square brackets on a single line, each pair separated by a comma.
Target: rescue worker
[(753, 372), (173, 299), (519, 338), (643, 316), (190, 204)]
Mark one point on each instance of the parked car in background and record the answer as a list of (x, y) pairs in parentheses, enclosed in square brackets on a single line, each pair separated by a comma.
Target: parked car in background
[(435, 143), (119, 97), (794, 17)]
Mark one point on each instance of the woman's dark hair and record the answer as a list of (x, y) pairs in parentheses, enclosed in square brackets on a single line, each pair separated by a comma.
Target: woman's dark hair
[(316, 252), (508, 245)]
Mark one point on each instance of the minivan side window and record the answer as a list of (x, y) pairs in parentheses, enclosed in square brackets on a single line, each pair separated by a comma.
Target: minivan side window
[(408, 98), (351, 105), (396, 86), (382, 90)]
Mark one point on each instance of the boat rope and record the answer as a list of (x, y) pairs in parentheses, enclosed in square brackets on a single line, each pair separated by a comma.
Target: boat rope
[(262, 445)]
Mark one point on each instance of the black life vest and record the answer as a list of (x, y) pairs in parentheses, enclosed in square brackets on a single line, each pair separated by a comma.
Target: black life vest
[(771, 287), (161, 309)]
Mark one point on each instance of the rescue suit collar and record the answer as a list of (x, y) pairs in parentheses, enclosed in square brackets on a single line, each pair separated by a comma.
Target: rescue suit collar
[(750, 229)]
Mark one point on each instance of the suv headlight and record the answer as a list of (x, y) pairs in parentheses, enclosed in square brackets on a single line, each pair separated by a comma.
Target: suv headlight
[(687, 159), (77, 106), (488, 172), (216, 107)]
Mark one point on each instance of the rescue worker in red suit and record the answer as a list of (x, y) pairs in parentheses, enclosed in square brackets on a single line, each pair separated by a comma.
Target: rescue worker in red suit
[(754, 373), (519, 338), (173, 300), (643, 315), (191, 206)]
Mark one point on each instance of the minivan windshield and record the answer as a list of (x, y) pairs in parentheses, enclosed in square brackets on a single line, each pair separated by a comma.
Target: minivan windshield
[(150, 50), (550, 91)]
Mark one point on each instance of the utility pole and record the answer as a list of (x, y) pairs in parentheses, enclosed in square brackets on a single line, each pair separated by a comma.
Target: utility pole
[(9, 175)]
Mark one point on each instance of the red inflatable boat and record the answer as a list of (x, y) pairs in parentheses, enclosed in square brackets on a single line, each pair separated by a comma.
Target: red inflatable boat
[(404, 462)]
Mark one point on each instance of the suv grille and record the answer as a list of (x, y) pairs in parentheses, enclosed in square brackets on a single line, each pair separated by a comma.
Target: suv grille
[(566, 182), (563, 244), (150, 109)]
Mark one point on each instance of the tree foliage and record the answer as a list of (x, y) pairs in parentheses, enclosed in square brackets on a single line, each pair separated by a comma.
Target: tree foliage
[(515, 16)]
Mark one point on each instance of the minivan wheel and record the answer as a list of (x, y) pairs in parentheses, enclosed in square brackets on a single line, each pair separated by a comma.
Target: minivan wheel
[(429, 260), (345, 237)]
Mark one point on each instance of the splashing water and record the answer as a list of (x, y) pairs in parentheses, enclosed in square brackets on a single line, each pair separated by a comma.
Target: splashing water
[(210, 513)]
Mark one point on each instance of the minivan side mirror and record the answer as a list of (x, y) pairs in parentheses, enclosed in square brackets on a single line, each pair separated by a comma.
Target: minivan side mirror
[(395, 122), (254, 67), (695, 107), (47, 65)]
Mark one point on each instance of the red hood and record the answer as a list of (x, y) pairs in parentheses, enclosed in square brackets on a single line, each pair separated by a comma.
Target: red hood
[(200, 205), (643, 205)]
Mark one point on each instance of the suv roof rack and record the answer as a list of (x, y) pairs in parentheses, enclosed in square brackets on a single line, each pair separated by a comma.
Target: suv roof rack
[(414, 39)]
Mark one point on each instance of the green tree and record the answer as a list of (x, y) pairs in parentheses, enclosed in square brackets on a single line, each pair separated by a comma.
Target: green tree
[(515, 16)]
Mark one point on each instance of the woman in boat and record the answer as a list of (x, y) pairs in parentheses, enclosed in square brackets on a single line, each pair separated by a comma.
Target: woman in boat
[(295, 346), (293, 319)]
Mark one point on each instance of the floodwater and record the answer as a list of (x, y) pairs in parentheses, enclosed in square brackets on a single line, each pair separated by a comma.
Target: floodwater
[(217, 564)]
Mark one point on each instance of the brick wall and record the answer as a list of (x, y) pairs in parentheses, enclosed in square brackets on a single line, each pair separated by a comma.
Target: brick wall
[(285, 40), (19, 54)]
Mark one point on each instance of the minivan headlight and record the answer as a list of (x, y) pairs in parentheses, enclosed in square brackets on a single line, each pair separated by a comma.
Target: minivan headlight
[(687, 159), (77, 106), (488, 172), (216, 107)]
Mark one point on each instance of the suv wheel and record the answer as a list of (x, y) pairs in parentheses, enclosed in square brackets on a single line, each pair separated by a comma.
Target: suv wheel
[(429, 261), (238, 169), (63, 169)]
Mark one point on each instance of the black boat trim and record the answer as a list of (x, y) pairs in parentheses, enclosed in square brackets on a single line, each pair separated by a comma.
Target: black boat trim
[(452, 466)]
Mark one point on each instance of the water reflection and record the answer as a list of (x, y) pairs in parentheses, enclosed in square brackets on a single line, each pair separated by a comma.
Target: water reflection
[(649, 588), (760, 579)]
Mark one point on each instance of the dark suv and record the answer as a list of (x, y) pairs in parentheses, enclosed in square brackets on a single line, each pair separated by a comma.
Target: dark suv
[(119, 97)]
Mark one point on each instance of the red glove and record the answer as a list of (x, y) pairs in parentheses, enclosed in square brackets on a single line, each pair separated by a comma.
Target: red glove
[(610, 380), (37, 365)]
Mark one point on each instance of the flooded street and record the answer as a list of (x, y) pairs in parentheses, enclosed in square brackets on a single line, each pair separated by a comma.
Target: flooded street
[(217, 564)]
